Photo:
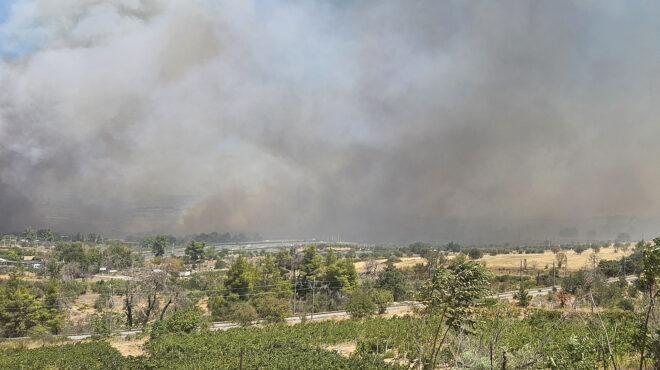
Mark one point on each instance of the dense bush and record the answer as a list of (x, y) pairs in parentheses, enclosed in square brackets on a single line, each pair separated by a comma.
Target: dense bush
[(181, 321), (242, 313), (272, 309), (360, 305), (94, 355), (568, 344)]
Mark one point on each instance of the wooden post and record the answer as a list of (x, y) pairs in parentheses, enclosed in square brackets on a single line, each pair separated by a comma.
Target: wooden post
[(313, 296), (553, 276), (242, 350)]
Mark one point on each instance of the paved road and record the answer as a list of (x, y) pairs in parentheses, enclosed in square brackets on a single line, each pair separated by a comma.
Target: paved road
[(224, 325), (317, 316), (544, 291), (114, 277)]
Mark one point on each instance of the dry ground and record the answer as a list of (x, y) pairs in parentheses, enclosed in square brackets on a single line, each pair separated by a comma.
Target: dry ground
[(506, 263), (27, 275), (510, 263), (129, 346), (344, 349), (405, 262), (31, 343), (203, 304)]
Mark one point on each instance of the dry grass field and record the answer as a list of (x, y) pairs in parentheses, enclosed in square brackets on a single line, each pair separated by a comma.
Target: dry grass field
[(507, 263), (405, 262), (128, 346), (510, 263)]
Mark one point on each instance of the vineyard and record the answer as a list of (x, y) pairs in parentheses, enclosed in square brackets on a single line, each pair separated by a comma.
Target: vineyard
[(94, 355), (379, 343)]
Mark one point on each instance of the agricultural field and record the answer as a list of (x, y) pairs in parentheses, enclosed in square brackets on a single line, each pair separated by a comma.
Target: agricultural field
[(404, 262), (520, 337), (205, 308), (510, 263)]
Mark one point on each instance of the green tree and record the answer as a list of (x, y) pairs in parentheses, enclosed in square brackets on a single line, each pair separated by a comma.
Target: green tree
[(561, 259), (609, 268), (195, 251), (522, 297), (12, 255), (269, 279), (29, 234), (475, 253), (19, 309), (394, 280), (330, 257), (45, 235), (453, 294), (117, 256), (240, 278), (434, 259), (159, 245), (576, 281), (649, 279), (53, 315), (382, 298), (181, 321), (71, 252), (342, 275), (310, 267), (271, 309), (360, 305), (243, 313), (420, 248), (283, 260), (146, 242)]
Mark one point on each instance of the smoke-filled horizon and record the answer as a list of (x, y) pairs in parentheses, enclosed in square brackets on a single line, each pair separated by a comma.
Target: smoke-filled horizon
[(384, 121)]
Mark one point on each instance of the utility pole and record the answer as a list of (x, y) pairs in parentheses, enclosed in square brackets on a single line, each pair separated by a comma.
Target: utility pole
[(553, 276), (520, 272), (313, 296), (112, 307), (624, 266), (295, 285)]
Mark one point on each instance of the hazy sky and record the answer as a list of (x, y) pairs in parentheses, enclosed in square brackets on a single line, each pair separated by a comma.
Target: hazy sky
[(371, 120)]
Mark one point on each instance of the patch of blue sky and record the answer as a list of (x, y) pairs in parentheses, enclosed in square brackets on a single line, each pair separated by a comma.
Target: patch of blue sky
[(5, 8), (16, 42)]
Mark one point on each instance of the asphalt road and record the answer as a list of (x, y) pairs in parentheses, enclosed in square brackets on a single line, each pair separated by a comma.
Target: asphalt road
[(544, 291), (224, 325)]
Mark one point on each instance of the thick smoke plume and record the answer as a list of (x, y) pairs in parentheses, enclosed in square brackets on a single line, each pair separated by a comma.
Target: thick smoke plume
[(391, 120)]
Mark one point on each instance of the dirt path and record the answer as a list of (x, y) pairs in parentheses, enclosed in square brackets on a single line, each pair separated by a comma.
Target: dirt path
[(129, 346)]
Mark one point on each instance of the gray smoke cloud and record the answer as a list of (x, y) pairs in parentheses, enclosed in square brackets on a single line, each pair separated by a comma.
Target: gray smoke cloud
[(388, 121)]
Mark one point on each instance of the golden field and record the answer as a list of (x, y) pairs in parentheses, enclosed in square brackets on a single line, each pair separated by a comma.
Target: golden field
[(504, 263)]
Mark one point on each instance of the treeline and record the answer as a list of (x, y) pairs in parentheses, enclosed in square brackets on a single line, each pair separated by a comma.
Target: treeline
[(31, 236), (420, 248), (22, 312), (271, 288), (208, 238)]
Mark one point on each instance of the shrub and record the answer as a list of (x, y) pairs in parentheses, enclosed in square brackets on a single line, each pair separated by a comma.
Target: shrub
[(272, 309), (522, 298), (360, 305), (475, 253), (626, 304), (242, 313), (382, 298), (182, 321)]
